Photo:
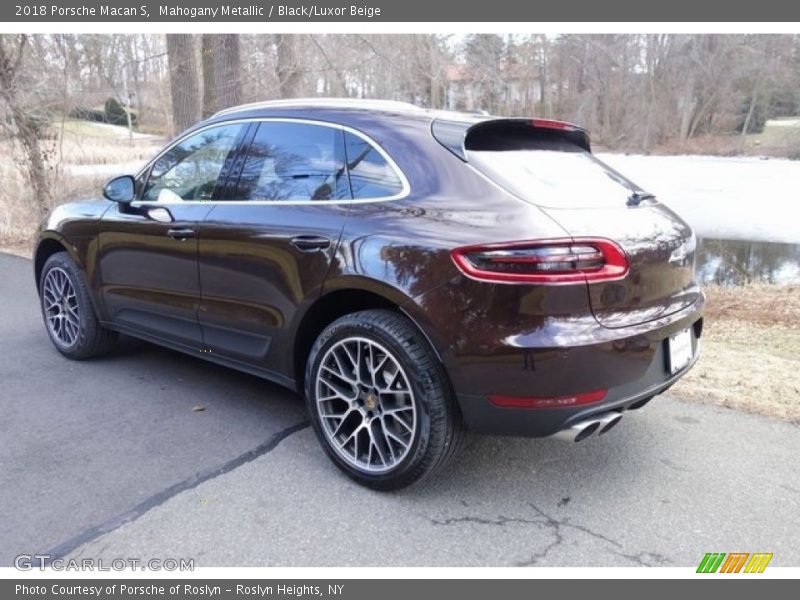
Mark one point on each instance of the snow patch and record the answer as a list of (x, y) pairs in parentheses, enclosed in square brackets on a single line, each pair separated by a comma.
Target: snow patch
[(747, 198)]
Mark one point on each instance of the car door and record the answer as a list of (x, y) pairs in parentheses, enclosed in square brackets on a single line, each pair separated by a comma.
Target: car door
[(267, 249), (147, 250)]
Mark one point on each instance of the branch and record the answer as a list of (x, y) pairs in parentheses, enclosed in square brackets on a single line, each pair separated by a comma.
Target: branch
[(338, 73)]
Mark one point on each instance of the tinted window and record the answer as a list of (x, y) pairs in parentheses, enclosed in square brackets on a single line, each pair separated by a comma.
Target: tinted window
[(190, 169), (548, 167), (294, 161), (554, 178), (371, 176)]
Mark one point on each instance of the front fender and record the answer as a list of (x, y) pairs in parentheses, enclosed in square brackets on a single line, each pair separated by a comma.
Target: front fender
[(73, 228)]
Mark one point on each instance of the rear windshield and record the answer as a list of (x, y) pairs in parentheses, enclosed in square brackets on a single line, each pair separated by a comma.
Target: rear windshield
[(550, 174)]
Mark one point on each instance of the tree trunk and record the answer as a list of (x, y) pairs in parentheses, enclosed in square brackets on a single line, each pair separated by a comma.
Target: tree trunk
[(340, 79), (687, 108), (26, 129), (227, 71), (135, 71), (286, 67), (750, 110), (183, 80), (207, 52), (433, 75), (650, 105), (702, 113), (34, 160), (544, 77)]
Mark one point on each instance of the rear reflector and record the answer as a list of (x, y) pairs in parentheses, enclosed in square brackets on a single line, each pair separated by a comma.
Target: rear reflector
[(551, 261), (553, 402)]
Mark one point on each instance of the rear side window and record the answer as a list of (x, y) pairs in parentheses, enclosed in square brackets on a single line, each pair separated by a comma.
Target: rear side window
[(544, 168), (294, 161), (371, 175)]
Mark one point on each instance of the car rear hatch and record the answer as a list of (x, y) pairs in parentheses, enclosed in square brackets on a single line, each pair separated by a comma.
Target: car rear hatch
[(549, 164)]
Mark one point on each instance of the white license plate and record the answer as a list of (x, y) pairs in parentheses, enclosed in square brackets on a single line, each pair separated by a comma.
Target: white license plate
[(680, 350)]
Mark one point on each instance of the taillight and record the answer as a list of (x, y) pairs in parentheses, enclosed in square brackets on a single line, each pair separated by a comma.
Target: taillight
[(574, 260)]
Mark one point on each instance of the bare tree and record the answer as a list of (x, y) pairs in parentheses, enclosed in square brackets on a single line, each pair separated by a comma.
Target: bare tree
[(183, 80), (227, 70), (484, 56), (12, 51), (286, 68), (637, 92), (341, 79), (207, 51)]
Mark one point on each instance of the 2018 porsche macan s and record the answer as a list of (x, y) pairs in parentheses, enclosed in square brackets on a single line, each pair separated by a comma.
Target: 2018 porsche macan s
[(413, 273)]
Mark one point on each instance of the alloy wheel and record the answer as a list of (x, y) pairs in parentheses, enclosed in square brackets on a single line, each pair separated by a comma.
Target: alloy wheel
[(366, 405), (61, 306)]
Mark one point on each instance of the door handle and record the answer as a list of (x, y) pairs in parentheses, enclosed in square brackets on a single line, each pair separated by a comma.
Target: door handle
[(181, 233), (310, 243)]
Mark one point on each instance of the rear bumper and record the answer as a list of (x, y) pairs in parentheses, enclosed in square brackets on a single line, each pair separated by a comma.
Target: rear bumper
[(543, 342), (653, 378), (481, 416)]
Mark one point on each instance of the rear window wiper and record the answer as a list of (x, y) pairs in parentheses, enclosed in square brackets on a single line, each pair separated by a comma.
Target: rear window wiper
[(639, 196)]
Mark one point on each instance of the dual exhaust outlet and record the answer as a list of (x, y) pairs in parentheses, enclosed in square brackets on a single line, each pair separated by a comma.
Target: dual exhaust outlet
[(596, 425)]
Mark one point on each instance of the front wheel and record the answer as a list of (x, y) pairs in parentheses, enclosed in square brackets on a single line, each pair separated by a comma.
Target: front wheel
[(67, 310), (379, 400)]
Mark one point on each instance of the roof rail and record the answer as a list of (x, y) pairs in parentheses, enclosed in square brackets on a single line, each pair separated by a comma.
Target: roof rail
[(324, 102)]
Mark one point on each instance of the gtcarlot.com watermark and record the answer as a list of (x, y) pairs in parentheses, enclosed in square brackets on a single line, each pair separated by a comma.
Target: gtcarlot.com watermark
[(29, 562)]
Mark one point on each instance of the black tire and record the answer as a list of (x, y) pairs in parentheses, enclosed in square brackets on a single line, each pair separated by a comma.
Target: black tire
[(439, 427), (90, 338)]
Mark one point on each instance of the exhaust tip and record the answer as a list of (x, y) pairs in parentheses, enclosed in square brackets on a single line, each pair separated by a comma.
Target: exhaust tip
[(587, 431), (610, 422), (599, 425)]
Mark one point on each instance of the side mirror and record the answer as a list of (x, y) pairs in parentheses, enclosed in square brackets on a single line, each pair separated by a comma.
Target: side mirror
[(120, 189)]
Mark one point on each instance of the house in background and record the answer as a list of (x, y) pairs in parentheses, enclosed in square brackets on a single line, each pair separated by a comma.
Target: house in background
[(511, 88)]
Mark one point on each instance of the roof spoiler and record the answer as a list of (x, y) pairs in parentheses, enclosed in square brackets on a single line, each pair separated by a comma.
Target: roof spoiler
[(456, 135)]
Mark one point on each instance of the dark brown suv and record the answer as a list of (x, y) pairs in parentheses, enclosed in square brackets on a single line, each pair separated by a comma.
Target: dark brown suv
[(413, 273)]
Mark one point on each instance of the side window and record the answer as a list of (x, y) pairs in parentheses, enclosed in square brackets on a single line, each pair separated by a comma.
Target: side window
[(189, 170), (371, 176), (294, 161)]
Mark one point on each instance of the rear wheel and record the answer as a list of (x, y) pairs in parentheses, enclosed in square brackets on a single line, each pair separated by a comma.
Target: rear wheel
[(67, 310), (379, 400)]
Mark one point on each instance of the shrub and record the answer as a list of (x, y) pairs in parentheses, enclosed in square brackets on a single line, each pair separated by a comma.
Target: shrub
[(112, 112), (85, 113), (117, 113)]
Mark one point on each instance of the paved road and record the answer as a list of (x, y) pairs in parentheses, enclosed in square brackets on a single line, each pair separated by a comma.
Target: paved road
[(107, 458)]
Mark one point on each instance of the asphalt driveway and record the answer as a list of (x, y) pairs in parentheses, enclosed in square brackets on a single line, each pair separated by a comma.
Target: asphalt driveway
[(107, 458)]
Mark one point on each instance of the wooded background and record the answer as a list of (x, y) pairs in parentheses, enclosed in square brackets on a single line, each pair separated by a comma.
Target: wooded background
[(645, 93)]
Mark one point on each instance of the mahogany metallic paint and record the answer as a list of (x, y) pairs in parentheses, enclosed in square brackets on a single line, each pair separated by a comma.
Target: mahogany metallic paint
[(240, 292)]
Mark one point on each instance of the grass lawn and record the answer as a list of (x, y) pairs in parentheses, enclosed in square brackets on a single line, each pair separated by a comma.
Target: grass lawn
[(751, 351), (779, 135)]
